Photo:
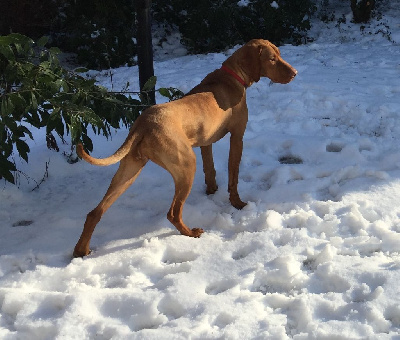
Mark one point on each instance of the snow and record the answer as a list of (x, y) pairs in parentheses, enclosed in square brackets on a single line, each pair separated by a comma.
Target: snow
[(314, 254), (243, 3), (274, 5)]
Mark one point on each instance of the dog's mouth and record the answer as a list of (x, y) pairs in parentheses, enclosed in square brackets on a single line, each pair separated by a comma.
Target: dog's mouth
[(271, 82), (288, 80)]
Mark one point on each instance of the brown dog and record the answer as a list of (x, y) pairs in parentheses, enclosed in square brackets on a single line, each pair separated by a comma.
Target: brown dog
[(166, 133)]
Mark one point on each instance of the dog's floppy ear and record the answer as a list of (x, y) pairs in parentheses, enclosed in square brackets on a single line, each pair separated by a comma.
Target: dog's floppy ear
[(250, 61)]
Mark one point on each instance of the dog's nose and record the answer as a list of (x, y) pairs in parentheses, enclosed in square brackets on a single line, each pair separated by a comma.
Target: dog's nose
[(293, 74)]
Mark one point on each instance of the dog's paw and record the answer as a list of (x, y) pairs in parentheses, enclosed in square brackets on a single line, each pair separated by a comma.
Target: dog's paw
[(238, 204), (196, 232), (211, 189), (236, 201), (77, 253)]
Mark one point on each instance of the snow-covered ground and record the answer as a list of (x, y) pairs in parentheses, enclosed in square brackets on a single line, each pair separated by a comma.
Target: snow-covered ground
[(314, 255)]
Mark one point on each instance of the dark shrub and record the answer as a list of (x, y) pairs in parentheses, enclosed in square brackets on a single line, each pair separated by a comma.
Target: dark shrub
[(209, 26), (99, 32)]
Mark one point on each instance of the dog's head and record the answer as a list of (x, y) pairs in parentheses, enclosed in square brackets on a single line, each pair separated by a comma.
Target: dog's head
[(260, 58)]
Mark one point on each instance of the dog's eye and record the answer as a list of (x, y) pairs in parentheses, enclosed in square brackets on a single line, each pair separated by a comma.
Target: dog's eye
[(273, 59)]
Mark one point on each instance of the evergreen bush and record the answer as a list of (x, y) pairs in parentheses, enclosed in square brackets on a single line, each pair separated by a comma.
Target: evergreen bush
[(35, 91), (101, 33), (214, 25)]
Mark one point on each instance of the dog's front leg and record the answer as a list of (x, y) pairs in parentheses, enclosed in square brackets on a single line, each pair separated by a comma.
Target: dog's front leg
[(209, 169), (235, 155)]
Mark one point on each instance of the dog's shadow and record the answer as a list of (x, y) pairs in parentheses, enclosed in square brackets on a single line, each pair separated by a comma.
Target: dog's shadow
[(135, 243)]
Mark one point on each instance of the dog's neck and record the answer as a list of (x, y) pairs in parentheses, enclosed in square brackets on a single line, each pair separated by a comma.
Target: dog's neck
[(234, 75)]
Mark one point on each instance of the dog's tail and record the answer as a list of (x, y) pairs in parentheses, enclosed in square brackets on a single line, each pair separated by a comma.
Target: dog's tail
[(133, 138)]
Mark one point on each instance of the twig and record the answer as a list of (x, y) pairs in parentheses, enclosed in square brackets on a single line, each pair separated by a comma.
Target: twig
[(46, 175)]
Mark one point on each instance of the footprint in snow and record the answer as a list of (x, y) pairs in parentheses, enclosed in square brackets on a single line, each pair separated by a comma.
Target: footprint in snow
[(220, 286), (173, 256), (334, 147), (290, 159)]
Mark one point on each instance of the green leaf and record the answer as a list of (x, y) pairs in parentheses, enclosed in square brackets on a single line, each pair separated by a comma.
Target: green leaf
[(91, 117), (20, 38), (150, 84), (4, 107), (25, 131), (176, 93), (55, 50), (133, 101), (15, 38), (10, 123), (87, 142), (81, 70), (34, 104), (8, 52), (76, 128), (5, 40), (165, 92), (19, 49), (10, 105), (6, 167), (42, 41), (7, 175), (101, 89), (65, 86), (23, 149), (33, 118), (55, 122), (17, 101)]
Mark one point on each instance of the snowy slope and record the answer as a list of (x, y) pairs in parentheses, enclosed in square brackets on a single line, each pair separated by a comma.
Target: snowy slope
[(314, 255)]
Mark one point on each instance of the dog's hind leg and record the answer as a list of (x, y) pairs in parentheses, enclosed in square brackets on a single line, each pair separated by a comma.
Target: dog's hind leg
[(128, 171), (182, 171)]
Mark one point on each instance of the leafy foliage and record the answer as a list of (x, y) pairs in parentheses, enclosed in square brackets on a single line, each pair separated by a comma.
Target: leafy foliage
[(99, 32), (213, 25), (35, 91)]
